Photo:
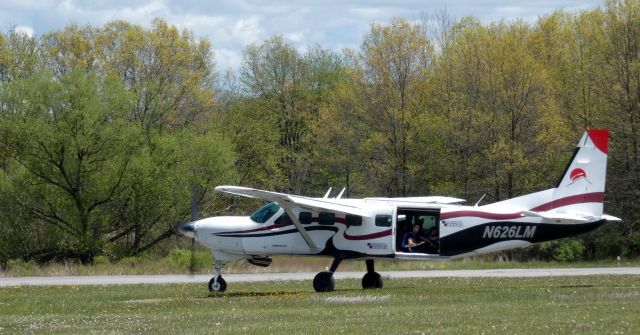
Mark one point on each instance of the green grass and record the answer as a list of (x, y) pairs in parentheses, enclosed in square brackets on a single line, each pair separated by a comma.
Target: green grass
[(594, 304)]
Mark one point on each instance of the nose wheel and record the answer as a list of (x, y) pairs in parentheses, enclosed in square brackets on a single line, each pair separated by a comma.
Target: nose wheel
[(324, 281), (217, 283)]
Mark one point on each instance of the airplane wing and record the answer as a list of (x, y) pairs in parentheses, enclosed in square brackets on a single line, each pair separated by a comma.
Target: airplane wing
[(436, 200), (290, 200)]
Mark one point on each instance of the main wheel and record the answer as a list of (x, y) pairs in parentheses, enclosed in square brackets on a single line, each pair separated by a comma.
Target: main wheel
[(324, 282), (217, 285), (372, 280)]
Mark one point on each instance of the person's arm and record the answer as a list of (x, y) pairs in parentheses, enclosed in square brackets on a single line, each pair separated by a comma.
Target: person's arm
[(411, 243)]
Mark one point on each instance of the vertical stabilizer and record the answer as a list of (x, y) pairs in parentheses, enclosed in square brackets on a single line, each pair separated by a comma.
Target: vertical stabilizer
[(581, 187)]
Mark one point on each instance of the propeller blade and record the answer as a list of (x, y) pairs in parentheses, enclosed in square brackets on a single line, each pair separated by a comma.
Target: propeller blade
[(187, 230)]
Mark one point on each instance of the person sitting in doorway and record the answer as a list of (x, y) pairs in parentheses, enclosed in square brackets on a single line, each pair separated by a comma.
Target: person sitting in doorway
[(411, 240)]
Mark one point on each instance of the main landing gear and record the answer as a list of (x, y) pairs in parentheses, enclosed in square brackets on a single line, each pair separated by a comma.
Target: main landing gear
[(217, 283), (371, 279), (324, 281)]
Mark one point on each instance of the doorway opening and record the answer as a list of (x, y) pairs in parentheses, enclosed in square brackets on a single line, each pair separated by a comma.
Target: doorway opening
[(417, 230)]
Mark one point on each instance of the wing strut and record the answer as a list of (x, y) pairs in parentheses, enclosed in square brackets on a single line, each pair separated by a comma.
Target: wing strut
[(303, 232)]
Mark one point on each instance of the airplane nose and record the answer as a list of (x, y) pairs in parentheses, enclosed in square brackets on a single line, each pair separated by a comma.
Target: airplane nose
[(188, 229)]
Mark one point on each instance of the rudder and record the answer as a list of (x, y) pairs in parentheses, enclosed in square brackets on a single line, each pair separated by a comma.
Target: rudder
[(581, 187)]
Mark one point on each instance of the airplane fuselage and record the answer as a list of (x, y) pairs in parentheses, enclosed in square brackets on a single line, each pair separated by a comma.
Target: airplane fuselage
[(463, 231)]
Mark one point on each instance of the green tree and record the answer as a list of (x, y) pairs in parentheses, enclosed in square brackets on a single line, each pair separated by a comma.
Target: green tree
[(254, 134), (392, 73), (618, 81), (495, 98), (73, 151), (290, 87)]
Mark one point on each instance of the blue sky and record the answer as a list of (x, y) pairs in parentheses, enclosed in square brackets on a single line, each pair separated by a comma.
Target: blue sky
[(232, 25)]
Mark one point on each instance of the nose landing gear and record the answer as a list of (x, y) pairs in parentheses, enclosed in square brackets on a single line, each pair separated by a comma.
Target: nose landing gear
[(324, 281), (217, 283)]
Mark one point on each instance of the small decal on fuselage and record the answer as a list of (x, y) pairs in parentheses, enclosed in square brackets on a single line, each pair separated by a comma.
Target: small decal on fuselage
[(453, 223), (373, 245), (504, 232)]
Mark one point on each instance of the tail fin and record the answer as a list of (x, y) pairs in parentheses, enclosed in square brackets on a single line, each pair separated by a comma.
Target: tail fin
[(581, 187)]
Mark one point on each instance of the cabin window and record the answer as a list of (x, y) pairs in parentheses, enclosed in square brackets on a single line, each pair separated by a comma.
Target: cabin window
[(264, 213), (326, 219), (354, 220), (383, 220), (305, 217), (283, 220)]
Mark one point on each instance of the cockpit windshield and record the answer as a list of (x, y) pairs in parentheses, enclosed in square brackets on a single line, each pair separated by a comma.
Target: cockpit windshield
[(264, 213)]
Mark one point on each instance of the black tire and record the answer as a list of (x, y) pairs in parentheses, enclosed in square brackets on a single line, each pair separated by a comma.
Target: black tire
[(220, 286), (324, 282), (372, 280)]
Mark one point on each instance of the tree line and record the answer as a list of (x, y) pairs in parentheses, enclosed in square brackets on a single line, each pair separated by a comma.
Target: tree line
[(107, 133)]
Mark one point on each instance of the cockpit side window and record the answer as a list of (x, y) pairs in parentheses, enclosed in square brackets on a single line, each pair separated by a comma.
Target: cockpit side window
[(264, 213)]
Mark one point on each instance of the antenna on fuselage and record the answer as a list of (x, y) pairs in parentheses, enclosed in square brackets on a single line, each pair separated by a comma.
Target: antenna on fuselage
[(341, 192), (326, 195), (477, 203)]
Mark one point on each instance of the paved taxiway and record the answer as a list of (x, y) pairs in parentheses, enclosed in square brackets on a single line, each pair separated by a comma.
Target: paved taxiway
[(255, 277)]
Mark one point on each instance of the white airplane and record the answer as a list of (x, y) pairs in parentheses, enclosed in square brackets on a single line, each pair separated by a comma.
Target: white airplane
[(393, 228)]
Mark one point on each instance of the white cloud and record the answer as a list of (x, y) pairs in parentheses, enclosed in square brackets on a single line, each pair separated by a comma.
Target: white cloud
[(248, 30), (24, 30), (294, 36), (227, 59)]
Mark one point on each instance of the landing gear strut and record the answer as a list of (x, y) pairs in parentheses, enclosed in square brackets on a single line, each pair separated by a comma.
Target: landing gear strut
[(371, 279), (217, 283), (323, 281)]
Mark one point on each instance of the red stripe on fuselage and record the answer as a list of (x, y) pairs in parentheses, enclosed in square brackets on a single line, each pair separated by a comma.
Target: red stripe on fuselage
[(571, 200), (478, 214), (368, 236), (274, 226), (316, 219)]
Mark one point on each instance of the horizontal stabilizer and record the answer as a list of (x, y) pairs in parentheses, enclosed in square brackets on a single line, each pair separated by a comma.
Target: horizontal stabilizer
[(559, 218), (568, 218), (611, 218)]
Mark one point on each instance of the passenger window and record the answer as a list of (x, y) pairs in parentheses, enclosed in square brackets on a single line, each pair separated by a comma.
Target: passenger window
[(326, 218), (383, 220), (354, 220), (305, 217)]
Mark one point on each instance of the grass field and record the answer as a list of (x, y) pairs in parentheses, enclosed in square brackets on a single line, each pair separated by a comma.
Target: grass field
[(595, 304)]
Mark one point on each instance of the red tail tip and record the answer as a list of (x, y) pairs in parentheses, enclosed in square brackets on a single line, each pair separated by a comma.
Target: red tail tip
[(600, 138)]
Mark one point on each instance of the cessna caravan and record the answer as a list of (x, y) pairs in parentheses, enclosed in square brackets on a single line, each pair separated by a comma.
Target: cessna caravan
[(377, 228)]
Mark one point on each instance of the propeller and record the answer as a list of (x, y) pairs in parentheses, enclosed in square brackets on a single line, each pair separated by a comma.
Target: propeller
[(188, 229)]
